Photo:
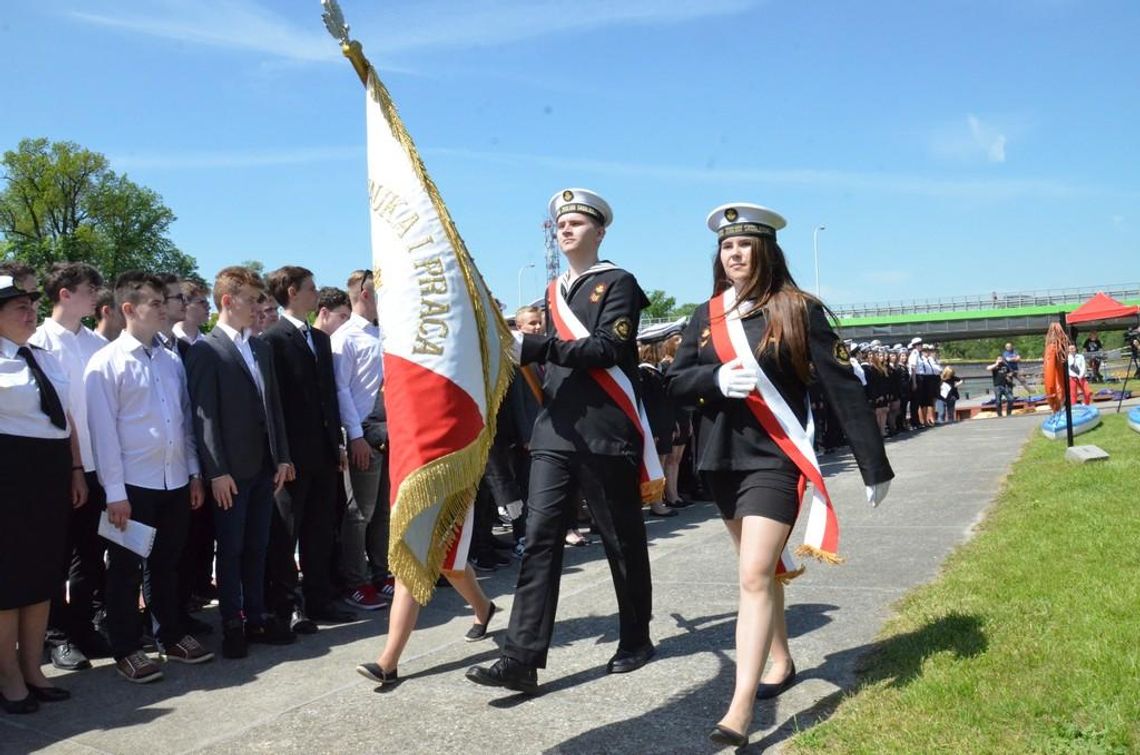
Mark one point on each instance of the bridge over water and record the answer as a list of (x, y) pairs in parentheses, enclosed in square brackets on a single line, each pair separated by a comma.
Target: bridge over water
[(995, 315)]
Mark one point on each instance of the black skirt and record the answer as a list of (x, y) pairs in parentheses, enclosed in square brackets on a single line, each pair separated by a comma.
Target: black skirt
[(35, 506), (770, 493)]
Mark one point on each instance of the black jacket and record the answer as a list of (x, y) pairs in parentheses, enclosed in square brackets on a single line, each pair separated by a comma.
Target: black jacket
[(308, 394), (731, 438), (577, 414), (238, 434)]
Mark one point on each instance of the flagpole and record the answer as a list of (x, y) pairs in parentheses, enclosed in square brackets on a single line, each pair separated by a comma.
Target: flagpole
[(334, 22)]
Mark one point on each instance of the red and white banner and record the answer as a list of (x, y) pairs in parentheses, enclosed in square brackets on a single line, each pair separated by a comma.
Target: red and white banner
[(767, 404), (446, 355), (617, 386)]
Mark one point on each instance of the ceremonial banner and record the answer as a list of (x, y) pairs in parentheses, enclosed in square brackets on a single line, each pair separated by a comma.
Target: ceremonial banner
[(767, 404), (446, 353)]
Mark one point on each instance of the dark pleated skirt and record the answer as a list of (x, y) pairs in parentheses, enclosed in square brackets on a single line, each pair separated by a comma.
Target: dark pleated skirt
[(35, 494)]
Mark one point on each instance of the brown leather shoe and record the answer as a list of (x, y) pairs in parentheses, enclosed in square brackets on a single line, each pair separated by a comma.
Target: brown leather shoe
[(138, 668)]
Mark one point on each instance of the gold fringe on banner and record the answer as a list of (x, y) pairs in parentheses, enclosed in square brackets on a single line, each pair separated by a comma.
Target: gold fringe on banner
[(820, 555), (788, 576), (454, 478)]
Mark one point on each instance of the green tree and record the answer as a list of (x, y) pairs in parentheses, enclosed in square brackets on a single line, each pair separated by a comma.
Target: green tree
[(660, 305), (256, 266), (63, 203)]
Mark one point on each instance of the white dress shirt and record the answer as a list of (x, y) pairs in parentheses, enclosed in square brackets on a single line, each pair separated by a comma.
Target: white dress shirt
[(141, 423), (359, 371), (181, 334), (20, 411), (304, 327), (241, 340), (74, 351)]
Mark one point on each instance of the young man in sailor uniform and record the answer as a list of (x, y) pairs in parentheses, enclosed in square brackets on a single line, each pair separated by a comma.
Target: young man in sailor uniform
[(582, 434)]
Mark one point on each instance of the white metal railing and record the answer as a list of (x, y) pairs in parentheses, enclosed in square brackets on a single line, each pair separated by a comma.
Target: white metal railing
[(994, 300)]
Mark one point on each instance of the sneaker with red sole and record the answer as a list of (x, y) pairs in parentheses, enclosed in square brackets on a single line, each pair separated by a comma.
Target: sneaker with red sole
[(366, 598)]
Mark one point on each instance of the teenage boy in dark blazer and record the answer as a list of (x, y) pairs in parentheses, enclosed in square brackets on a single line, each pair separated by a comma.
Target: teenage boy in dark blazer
[(306, 506), (245, 455)]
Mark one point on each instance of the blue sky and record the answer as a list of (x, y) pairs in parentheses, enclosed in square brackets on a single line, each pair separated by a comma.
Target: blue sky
[(949, 148)]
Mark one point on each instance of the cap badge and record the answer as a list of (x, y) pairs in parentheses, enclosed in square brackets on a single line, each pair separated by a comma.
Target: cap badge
[(567, 195), (731, 214)]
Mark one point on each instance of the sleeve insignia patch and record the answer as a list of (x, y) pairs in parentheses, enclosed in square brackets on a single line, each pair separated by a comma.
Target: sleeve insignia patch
[(598, 291), (842, 355), (623, 328)]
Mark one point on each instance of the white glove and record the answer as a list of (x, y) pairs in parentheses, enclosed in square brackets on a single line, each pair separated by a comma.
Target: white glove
[(735, 380), (516, 349), (876, 493)]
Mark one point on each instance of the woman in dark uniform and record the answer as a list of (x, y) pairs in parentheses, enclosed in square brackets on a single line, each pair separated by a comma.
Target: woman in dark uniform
[(751, 471), (40, 476)]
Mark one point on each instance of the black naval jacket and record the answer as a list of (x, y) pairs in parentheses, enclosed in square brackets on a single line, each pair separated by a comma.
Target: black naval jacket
[(730, 436), (577, 415)]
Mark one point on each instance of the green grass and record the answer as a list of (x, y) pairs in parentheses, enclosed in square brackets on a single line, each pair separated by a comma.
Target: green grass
[(1029, 641)]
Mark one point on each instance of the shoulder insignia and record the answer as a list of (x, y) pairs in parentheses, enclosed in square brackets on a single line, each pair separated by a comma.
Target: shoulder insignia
[(705, 334), (623, 328), (842, 355), (598, 291)]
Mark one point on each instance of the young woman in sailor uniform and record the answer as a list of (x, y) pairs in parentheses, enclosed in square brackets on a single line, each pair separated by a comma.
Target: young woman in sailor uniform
[(746, 359)]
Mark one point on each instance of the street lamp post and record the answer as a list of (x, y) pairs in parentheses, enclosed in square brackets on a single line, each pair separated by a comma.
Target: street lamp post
[(521, 269), (815, 254)]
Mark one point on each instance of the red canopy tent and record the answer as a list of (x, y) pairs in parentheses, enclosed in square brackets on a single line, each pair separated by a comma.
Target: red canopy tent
[(1100, 308)]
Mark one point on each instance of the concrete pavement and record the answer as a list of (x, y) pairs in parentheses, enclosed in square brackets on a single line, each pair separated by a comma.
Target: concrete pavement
[(306, 698)]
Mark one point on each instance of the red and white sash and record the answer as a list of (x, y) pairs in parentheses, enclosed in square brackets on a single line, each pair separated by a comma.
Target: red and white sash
[(821, 540), (617, 386)]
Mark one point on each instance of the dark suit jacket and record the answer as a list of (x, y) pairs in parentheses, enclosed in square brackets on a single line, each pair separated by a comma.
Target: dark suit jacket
[(308, 394), (237, 433)]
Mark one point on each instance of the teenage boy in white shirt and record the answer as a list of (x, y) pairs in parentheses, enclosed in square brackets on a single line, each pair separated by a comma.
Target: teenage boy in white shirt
[(147, 462)]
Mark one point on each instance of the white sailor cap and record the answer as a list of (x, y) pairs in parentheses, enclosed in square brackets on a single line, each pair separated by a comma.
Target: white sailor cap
[(583, 201), (744, 219), (876, 342), (915, 341), (896, 347)]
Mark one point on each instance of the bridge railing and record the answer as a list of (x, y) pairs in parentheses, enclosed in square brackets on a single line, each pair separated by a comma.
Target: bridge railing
[(994, 300)]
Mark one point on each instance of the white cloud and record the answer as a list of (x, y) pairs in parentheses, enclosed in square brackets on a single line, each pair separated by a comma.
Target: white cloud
[(970, 140), (984, 188), (387, 28), (988, 139), (183, 160)]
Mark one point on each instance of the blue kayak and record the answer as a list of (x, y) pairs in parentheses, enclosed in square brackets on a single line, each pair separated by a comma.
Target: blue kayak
[(1134, 418), (1085, 418)]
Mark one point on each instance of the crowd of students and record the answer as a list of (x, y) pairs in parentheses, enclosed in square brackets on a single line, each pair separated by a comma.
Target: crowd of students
[(241, 446)]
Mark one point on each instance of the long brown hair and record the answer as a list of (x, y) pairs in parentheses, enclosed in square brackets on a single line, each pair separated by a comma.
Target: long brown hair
[(785, 305)]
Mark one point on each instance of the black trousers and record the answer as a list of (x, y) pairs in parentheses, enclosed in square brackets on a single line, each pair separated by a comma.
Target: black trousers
[(615, 503), (168, 511), (196, 569), (305, 513), (520, 461), (75, 603)]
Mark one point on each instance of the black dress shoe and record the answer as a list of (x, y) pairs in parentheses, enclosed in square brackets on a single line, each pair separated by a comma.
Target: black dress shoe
[(302, 624), (377, 674), (725, 736), (234, 644), (28, 704), (270, 632), (625, 661), (768, 691), (331, 614), (507, 672), (68, 657), (48, 694)]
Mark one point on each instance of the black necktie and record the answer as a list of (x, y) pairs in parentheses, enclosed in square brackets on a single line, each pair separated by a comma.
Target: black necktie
[(49, 399)]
